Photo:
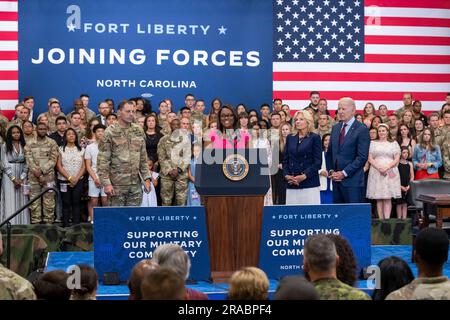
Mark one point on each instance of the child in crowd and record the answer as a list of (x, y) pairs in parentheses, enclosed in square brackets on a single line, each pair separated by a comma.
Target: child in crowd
[(96, 191), (149, 198), (193, 198), (406, 171)]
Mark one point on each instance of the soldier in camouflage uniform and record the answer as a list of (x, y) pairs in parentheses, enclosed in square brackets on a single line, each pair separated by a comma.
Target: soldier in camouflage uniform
[(162, 115), (122, 160), (22, 113), (174, 156), (433, 122), (445, 152), (320, 261), (198, 113), (324, 125), (430, 256), (54, 111), (446, 119), (407, 105), (13, 286), (3, 124), (77, 105), (166, 126), (41, 156), (75, 124)]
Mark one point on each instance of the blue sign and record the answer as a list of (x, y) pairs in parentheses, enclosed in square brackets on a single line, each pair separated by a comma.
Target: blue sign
[(286, 228), (125, 236), (156, 49)]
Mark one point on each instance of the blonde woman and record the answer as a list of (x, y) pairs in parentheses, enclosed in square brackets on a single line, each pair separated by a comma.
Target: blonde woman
[(249, 284), (302, 161), (408, 119)]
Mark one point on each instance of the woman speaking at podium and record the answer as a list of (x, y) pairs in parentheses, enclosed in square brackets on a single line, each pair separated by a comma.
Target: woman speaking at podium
[(302, 161), (227, 136)]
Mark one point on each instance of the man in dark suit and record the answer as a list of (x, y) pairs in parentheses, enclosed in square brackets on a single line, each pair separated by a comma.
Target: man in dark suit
[(29, 103), (347, 155), (104, 110)]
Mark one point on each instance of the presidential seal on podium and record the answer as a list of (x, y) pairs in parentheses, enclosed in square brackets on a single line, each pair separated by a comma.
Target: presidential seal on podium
[(235, 167)]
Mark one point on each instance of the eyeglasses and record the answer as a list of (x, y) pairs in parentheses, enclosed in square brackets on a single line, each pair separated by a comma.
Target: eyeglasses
[(227, 115)]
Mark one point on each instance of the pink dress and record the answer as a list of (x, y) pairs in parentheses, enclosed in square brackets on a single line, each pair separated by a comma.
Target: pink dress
[(379, 186), (238, 140)]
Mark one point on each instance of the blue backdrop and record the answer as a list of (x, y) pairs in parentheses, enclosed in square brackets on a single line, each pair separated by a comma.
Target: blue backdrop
[(124, 236), (161, 49), (286, 228)]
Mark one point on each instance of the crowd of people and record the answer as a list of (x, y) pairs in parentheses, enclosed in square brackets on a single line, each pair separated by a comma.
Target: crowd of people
[(330, 274), (130, 155)]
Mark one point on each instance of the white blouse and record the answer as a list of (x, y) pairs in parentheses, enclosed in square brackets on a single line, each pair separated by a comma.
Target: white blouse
[(71, 160)]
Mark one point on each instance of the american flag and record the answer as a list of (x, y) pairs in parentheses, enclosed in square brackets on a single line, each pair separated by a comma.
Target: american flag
[(9, 55), (372, 50)]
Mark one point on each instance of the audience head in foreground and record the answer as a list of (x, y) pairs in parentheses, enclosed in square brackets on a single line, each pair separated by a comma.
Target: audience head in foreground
[(430, 255), (139, 272), (249, 284), (394, 274), (295, 288), (52, 285), (346, 270), (173, 257), (163, 284), (320, 261), (88, 284)]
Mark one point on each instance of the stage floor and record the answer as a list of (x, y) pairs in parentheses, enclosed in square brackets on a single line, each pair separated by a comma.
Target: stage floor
[(62, 260)]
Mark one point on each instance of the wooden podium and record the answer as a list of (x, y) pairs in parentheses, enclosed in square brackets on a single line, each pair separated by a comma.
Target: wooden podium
[(234, 209)]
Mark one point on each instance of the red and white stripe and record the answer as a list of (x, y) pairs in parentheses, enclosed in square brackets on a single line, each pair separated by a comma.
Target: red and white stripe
[(407, 49), (9, 57)]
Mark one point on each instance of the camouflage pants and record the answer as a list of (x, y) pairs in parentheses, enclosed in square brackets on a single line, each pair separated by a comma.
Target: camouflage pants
[(169, 187), (126, 196), (48, 201)]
